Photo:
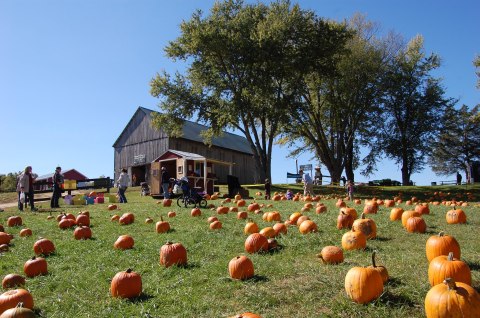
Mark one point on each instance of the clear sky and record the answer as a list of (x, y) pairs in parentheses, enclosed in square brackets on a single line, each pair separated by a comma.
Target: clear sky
[(73, 72)]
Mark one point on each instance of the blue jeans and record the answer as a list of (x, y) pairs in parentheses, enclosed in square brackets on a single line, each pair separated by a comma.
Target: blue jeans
[(166, 193), (121, 193)]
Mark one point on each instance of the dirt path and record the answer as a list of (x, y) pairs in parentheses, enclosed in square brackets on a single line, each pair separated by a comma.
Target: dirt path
[(39, 199)]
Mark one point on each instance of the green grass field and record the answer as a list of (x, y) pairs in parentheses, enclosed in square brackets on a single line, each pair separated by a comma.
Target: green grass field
[(291, 282)]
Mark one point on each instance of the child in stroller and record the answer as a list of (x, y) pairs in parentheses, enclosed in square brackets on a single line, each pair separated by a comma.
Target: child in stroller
[(145, 188), (190, 197)]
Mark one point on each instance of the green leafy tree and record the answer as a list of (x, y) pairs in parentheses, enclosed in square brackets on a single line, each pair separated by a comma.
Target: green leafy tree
[(476, 63), (459, 142), (413, 106), (242, 63), (9, 182)]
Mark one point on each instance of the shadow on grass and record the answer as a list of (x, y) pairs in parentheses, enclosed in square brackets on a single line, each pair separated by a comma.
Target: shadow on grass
[(189, 265), (258, 279), (394, 282), (473, 266), (392, 300), (142, 298), (382, 239)]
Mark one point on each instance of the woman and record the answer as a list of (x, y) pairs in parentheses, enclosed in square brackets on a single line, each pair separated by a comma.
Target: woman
[(122, 183), (25, 186)]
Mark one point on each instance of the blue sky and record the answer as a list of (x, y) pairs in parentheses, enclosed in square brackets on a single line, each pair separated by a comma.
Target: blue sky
[(73, 72)]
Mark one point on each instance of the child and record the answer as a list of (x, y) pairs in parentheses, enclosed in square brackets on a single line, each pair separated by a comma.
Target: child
[(350, 189), (267, 189), (289, 194)]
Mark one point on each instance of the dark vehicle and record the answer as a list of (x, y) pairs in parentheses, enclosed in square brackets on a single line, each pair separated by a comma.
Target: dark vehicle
[(189, 197), (384, 183)]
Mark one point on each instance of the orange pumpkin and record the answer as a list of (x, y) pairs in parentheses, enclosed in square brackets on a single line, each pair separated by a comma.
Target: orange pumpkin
[(195, 212), (173, 254), (25, 232), (253, 206), (367, 226), (127, 284), (408, 214), (344, 221), (126, 218), (456, 216), (308, 226), (442, 267), (124, 242), (422, 209), (35, 266), (250, 228), (83, 220), (416, 224), (43, 247), (354, 240), (242, 215), (256, 242), (396, 214), (363, 284), (331, 255), (82, 233), (13, 280), (215, 225), (171, 214), (280, 228), (162, 226), (442, 244), (14, 221), (241, 267), (4, 238), (11, 298)]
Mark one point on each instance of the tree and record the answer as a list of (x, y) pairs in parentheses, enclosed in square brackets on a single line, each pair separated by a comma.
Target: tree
[(413, 105), (476, 63), (9, 182), (459, 142), (242, 60)]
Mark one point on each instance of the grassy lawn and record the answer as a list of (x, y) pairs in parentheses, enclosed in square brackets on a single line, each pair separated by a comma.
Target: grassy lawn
[(291, 282)]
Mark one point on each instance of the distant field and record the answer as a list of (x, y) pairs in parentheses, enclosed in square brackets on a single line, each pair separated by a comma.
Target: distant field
[(291, 282)]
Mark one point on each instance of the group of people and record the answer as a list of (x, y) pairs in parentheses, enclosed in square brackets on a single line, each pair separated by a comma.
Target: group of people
[(26, 191)]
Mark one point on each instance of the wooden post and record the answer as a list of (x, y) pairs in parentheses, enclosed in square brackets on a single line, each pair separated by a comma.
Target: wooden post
[(205, 175)]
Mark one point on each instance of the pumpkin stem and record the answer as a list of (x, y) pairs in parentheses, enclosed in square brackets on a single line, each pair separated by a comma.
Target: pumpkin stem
[(441, 233), (450, 256), (373, 258), (450, 283), (129, 270), (20, 305), (161, 218), (362, 216)]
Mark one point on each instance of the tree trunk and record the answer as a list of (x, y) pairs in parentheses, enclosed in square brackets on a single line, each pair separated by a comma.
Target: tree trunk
[(405, 170)]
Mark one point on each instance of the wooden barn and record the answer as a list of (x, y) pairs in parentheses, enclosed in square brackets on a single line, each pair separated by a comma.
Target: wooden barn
[(140, 146)]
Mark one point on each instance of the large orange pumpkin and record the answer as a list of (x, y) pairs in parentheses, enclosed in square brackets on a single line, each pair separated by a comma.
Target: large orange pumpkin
[(354, 240), (367, 226), (43, 247), (173, 254), (442, 267), (371, 207), (452, 299), (256, 242), (363, 284), (11, 298), (416, 224), (308, 226), (35, 266), (126, 218), (240, 267), (250, 228), (344, 221), (456, 216), (442, 244), (396, 214), (127, 284), (82, 233)]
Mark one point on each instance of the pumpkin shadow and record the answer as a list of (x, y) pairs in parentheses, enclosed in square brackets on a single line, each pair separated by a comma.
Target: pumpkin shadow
[(393, 282), (258, 279), (142, 298), (473, 266), (382, 239), (189, 265), (274, 250), (393, 300), (430, 231)]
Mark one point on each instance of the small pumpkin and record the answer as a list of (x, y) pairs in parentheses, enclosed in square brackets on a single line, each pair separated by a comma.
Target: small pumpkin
[(112, 207), (196, 212), (115, 218), (11, 298), (246, 315), (171, 214), (452, 299), (442, 267), (126, 219), (422, 208), (363, 284), (4, 238), (242, 215), (173, 254), (442, 244), (124, 242), (43, 247), (82, 233), (295, 216), (222, 209), (66, 223), (127, 284), (14, 221), (35, 266), (253, 206), (396, 214), (250, 228), (456, 216), (215, 225), (83, 220), (241, 267), (256, 242), (162, 226), (212, 219), (408, 214), (268, 231), (25, 232), (167, 202), (354, 240), (308, 226), (371, 207), (331, 255), (280, 228), (13, 280)]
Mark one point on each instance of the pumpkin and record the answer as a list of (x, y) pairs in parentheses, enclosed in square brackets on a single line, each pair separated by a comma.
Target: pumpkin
[(115, 217), (242, 215), (18, 312), (195, 212), (301, 219), (363, 284), (124, 242), (171, 214), (344, 221), (280, 228), (66, 223), (148, 220), (13, 280), (84, 213), (35, 266), (456, 216), (127, 284), (43, 247), (396, 214), (82, 233), (272, 244), (408, 214), (14, 221), (60, 217), (443, 266), (4, 248), (215, 225), (273, 216), (295, 216), (320, 209), (331, 255), (371, 207), (233, 209), (4, 238), (354, 240), (212, 219), (382, 270), (389, 203), (222, 209), (2, 229), (250, 228), (246, 315), (167, 202), (367, 226), (112, 207), (256, 242), (442, 244), (241, 203), (173, 254), (349, 211), (83, 220), (416, 224), (357, 201), (452, 299), (308, 226), (340, 203), (126, 219), (11, 298), (240, 267), (269, 232), (253, 206), (25, 232), (162, 226), (69, 216), (422, 209)]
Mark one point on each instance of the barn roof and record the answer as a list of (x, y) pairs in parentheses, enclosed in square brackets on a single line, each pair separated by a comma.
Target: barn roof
[(50, 175), (192, 130)]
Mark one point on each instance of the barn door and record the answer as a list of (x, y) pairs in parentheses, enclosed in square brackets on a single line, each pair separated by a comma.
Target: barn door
[(155, 178)]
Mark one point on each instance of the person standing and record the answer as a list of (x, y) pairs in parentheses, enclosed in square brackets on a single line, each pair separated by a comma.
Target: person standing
[(25, 186), (350, 188), (122, 183), (57, 187), (307, 183), (268, 187), (459, 178), (165, 183), (318, 176)]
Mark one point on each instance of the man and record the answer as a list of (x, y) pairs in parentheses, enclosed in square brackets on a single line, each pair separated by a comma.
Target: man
[(25, 186), (57, 187), (307, 183), (459, 178), (165, 183)]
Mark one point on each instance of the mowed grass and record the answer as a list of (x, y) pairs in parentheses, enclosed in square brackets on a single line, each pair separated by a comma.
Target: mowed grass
[(289, 283)]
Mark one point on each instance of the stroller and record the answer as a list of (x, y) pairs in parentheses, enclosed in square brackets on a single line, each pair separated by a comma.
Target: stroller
[(189, 197), (145, 188)]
